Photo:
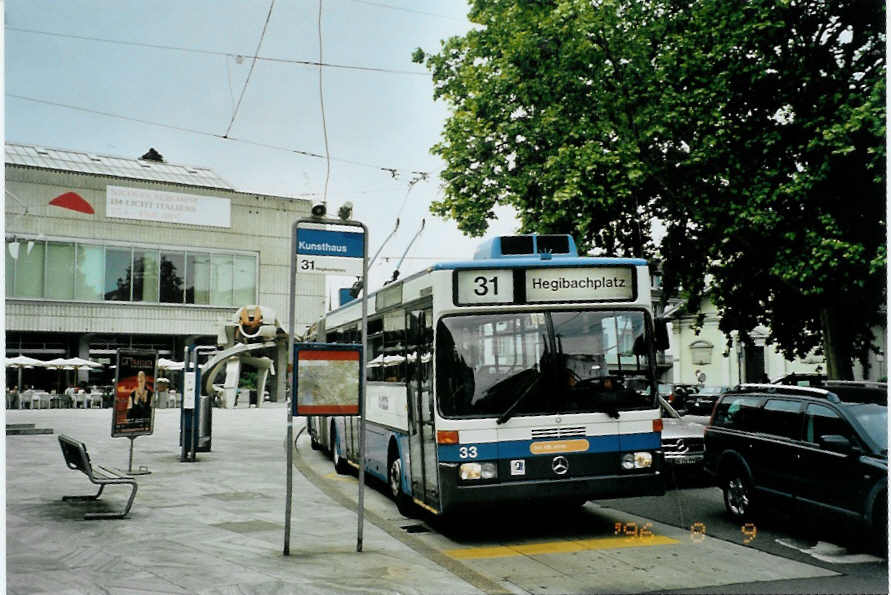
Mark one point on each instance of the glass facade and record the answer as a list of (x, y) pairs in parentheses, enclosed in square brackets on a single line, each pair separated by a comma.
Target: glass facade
[(93, 272)]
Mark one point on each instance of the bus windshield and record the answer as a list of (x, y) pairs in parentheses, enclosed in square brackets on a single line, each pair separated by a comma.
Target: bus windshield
[(538, 363)]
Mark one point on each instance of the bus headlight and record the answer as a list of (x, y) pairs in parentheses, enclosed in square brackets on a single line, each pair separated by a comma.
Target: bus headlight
[(637, 460), (470, 471)]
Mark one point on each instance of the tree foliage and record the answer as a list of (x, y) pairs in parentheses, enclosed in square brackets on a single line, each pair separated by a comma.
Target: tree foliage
[(753, 129)]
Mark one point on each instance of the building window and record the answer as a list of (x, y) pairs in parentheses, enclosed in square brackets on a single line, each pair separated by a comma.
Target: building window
[(221, 288), (173, 272), (198, 279), (29, 270), (117, 274), (145, 275), (10, 266), (90, 275), (60, 271), (244, 284), (92, 272)]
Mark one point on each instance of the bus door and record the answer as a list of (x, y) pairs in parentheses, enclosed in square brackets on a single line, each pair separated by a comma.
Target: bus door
[(422, 445)]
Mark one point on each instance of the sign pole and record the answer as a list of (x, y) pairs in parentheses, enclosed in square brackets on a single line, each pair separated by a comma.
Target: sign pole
[(292, 303), (362, 359), (319, 262)]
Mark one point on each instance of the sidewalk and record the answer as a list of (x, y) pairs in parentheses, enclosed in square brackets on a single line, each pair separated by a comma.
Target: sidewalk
[(214, 526)]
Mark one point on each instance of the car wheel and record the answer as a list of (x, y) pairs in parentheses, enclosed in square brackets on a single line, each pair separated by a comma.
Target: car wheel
[(738, 495), (394, 480), (340, 463)]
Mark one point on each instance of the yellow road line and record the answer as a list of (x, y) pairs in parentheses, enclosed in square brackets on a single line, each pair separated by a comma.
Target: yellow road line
[(336, 477), (557, 547)]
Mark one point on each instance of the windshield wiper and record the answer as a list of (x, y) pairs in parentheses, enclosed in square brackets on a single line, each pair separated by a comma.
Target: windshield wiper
[(508, 413)]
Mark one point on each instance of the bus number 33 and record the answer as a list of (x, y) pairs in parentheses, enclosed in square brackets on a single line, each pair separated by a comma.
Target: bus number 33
[(483, 285), (467, 452)]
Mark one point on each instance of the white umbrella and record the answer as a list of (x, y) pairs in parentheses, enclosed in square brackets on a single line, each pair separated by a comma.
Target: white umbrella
[(393, 360), (167, 364), (22, 361), (376, 362), (78, 362), (58, 363)]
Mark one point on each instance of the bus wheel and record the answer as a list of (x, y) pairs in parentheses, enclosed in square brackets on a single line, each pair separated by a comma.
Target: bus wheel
[(394, 479), (340, 463)]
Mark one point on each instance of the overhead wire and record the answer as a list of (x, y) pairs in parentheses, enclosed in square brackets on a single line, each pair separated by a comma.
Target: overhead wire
[(247, 80), (389, 170), (322, 106), (218, 53), (411, 10)]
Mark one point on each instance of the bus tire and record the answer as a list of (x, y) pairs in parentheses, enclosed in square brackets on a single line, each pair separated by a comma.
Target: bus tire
[(313, 443), (394, 481), (340, 462)]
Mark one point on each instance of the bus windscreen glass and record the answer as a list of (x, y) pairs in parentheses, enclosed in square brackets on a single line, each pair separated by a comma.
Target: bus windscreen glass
[(542, 363)]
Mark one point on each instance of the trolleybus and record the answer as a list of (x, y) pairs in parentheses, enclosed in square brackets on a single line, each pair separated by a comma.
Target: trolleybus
[(526, 373)]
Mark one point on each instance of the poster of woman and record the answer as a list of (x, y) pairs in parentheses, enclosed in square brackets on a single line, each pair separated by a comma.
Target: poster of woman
[(134, 393)]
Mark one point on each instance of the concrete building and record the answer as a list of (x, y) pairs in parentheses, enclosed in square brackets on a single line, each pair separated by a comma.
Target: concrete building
[(705, 357), (109, 252)]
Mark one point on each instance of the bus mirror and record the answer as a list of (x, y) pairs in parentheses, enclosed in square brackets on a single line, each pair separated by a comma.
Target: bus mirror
[(662, 334), (640, 346)]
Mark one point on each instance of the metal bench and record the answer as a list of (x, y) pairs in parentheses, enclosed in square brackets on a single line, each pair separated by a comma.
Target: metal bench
[(76, 457)]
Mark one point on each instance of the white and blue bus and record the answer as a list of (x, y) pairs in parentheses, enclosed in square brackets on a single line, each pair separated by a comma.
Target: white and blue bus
[(526, 373)]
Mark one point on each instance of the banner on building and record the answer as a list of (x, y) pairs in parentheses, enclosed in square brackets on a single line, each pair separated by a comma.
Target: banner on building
[(168, 207), (134, 393)]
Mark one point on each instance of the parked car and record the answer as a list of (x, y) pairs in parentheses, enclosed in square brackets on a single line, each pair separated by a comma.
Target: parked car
[(802, 447), (677, 395), (703, 401), (855, 391), (802, 380), (683, 441)]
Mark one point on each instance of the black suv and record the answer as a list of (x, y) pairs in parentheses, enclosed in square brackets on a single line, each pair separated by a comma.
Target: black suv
[(804, 446)]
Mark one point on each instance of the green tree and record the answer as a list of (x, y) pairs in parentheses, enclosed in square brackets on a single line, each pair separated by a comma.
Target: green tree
[(754, 130)]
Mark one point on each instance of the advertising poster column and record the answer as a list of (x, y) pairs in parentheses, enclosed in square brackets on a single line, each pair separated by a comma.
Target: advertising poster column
[(133, 413)]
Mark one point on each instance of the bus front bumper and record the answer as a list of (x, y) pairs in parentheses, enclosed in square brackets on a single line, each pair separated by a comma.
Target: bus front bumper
[(579, 489)]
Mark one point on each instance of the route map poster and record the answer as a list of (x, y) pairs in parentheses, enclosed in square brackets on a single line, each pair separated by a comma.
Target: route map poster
[(327, 379), (134, 396)]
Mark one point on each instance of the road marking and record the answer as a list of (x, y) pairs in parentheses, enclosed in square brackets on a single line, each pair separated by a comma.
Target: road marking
[(337, 477), (557, 547), (829, 552)]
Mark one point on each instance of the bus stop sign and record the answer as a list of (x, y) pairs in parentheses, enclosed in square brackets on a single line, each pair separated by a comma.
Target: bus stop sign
[(327, 379)]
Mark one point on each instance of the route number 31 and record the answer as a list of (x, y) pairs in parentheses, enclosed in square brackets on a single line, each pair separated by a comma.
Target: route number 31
[(485, 285)]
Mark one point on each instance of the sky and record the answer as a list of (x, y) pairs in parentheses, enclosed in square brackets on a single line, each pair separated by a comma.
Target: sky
[(376, 120)]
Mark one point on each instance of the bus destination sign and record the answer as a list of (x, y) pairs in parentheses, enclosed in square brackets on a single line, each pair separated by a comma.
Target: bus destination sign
[(544, 285), (586, 284)]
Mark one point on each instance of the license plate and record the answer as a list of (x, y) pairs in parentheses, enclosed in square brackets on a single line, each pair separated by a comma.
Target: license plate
[(686, 460)]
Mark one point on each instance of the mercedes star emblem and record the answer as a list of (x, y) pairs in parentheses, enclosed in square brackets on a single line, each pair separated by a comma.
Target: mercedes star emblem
[(560, 465)]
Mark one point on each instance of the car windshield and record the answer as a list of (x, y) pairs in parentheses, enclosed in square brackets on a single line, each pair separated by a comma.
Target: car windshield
[(874, 419), (536, 363)]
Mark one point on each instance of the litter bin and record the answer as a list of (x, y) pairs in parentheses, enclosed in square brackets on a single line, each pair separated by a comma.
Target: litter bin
[(205, 425)]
